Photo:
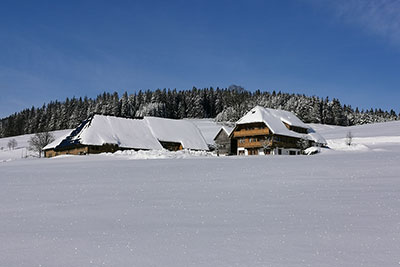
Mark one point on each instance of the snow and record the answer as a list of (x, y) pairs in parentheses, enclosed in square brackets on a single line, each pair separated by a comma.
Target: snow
[(160, 154), (126, 133), (209, 128), (335, 208), (316, 137), (274, 119), (372, 137), (367, 130), (180, 131), (226, 129), (312, 150), (58, 140), (22, 147), (131, 133), (136, 133)]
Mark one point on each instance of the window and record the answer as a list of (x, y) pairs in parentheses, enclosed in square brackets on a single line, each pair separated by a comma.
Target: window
[(279, 151), (253, 152)]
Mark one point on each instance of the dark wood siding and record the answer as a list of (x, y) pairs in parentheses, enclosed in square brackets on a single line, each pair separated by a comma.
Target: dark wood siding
[(171, 146), (223, 142)]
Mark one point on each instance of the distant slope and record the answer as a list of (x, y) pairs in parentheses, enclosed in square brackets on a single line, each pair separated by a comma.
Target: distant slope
[(22, 147), (367, 130)]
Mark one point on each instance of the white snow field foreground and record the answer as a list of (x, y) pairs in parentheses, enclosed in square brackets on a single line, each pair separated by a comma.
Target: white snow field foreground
[(337, 208)]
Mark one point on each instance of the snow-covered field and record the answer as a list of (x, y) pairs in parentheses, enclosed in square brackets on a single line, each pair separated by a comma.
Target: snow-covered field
[(22, 151), (337, 208)]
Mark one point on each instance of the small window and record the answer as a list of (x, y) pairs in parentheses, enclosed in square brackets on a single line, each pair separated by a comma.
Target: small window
[(279, 151)]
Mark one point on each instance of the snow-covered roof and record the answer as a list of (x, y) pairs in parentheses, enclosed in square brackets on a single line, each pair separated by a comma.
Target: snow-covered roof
[(316, 137), (180, 131), (57, 141), (133, 133), (275, 119), (226, 129), (100, 129)]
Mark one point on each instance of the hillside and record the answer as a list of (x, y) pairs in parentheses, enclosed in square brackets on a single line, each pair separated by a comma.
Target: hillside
[(228, 104), (22, 148)]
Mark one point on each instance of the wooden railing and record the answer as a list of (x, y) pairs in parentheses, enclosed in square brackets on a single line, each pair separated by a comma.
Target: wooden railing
[(253, 132), (248, 144)]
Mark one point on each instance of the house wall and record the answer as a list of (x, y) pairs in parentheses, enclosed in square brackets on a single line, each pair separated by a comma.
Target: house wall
[(171, 146), (103, 149), (251, 129), (257, 139), (83, 150), (223, 143), (241, 151), (73, 151)]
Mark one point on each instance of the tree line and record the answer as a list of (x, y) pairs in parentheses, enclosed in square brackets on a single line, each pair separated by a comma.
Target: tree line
[(223, 104)]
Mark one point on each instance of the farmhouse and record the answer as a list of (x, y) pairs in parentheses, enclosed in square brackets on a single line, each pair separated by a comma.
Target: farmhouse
[(102, 133), (269, 131)]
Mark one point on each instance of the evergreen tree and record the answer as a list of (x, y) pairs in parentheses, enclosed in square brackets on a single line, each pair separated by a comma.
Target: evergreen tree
[(226, 104)]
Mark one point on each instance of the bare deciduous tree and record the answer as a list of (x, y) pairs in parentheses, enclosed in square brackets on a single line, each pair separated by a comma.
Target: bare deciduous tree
[(267, 144), (349, 138), (12, 144), (39, 141)]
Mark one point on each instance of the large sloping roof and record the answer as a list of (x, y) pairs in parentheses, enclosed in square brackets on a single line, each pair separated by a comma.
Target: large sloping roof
[(100, 129), (275, 120), (180, 131), (228, 130)]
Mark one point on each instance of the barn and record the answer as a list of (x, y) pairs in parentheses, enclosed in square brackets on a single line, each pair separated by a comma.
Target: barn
[(102, 133)]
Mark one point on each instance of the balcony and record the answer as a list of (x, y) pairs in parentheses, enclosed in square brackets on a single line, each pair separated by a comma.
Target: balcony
[(248, 144), (253, 132)]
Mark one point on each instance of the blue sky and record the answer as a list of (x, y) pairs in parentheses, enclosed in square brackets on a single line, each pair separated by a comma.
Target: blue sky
[(348, 49)]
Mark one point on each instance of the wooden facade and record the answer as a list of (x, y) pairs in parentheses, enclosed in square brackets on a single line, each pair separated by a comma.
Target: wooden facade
[(83, 150), (296, 128), (251, 129), (223, 143), (106, 148), (171, 146), (257, 138)]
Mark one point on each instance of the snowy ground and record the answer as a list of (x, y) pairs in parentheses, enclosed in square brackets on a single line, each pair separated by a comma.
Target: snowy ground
[(22, 149), (337, 208)]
